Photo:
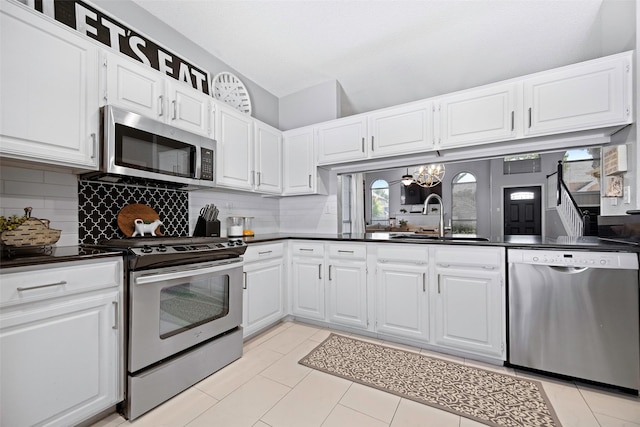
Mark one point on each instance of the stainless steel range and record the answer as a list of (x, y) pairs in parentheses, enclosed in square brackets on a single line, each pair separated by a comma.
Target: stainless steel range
[(184, 300)]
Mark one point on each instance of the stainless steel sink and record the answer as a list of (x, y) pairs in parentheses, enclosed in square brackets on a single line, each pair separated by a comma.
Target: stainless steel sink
[(438, 238)]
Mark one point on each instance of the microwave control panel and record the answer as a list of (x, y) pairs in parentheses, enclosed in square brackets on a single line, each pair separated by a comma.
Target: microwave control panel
[(206, 167)]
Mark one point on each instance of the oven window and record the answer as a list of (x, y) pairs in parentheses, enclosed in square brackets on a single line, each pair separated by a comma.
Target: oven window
[(191, 304)]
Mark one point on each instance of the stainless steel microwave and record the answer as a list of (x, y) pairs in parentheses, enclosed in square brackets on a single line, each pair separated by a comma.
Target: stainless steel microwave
[(139, 149)]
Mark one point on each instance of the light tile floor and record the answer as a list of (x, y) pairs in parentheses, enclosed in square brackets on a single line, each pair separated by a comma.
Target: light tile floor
[(267, 387)]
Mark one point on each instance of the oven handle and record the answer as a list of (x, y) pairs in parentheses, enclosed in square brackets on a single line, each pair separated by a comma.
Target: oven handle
[(187, 272)]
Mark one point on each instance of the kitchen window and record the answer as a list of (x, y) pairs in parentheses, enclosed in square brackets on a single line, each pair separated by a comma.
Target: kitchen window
[(380, 202), (463, 204)]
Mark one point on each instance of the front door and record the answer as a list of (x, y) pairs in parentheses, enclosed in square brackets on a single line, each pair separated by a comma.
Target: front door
[(522, 211)]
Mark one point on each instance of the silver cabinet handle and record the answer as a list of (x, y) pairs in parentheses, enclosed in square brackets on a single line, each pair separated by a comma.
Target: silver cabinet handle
[(115, 323), (244, 282), (529, 117), (513, 119), (265, 252), (306, 249), (309, 180), (93, 148), (372, 143), (344, 252), (30, 288), (259, 179), (175, 109), (160, 106), (329, 271), (438, 283), (363, 144), (424, 282), (319, 271)]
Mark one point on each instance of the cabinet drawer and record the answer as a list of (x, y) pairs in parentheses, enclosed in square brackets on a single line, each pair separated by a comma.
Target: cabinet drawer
[(21, 285), (488, 258), (348, 251), (265, 251), (405, 254), (307, 249)]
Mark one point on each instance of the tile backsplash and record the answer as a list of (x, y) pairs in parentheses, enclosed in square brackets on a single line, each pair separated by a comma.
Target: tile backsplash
[(87, 211), (99, 204)]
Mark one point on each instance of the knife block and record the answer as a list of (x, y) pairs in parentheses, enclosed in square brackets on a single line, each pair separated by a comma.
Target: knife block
[(206, 228)]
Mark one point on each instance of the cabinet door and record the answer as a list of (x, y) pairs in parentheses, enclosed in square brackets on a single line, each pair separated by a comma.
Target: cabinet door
[(135, 87), (263, 297), (342, 140), (307, 287), (402, 308), (189, 109), (577, 97), (299, 165), (60, 361), (468, 314), (234, 134), (49, 91), (478, 116), (347, 288), (407, 129), (268, 159)]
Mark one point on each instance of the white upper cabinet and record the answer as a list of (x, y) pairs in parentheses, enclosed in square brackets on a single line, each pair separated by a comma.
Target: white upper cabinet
[(477, 116), (402, 130), (235, 157), (140, 89), (583, 96), (48, 89), (342, 140), (268, 165), (299, 171)]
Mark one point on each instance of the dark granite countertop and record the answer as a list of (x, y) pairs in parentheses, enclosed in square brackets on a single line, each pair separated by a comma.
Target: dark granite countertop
[(529, 242), (55, 254)]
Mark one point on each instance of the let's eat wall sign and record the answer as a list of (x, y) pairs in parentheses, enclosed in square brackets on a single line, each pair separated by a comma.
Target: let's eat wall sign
[(94, 24)]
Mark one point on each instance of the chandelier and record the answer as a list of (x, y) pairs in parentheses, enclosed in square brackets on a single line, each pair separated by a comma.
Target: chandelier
[(425, 175)]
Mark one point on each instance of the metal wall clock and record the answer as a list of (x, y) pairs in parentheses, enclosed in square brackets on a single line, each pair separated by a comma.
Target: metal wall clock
[(228, 88)]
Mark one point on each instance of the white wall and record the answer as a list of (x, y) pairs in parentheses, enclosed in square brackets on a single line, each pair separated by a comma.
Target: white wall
[(313, 105), (53, 195)]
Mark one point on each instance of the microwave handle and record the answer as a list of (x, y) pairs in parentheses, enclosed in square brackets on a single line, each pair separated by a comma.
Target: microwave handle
[(189, 272)]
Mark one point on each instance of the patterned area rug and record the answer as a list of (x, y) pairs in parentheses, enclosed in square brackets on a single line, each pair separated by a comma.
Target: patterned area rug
[(484, 396)]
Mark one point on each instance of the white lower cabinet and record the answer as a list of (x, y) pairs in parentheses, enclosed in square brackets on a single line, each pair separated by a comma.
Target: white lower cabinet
[(264, 278), (307, 283), (470, 299), (60, 342), (402, 291), (347, 285)]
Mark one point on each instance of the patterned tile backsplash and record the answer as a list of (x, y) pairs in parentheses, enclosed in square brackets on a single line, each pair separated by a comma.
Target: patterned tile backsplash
[(99, 204)]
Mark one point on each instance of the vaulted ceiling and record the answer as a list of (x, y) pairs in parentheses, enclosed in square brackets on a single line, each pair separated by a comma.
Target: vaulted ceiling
[(388, 52)]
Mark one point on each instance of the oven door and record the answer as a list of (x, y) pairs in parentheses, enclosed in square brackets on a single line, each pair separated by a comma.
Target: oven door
[(175, 308)]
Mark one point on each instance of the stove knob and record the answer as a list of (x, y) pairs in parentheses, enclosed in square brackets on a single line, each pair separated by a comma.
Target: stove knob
[(146, 249), (162, 248)]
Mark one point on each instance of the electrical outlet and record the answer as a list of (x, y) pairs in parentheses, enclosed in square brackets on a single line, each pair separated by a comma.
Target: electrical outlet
[(627, 194), (614, 201)]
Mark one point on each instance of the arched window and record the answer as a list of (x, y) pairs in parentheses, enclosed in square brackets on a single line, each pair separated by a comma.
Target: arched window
[(380, 202), (463, 200)]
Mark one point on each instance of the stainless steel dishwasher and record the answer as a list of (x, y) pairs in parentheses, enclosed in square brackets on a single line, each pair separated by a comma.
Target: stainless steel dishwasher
[(575, 313)]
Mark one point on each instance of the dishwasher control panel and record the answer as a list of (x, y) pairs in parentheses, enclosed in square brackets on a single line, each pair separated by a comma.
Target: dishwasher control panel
[(560, 258)]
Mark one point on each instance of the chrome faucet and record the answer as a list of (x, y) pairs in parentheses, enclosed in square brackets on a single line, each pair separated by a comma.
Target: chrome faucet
[(425, 211)]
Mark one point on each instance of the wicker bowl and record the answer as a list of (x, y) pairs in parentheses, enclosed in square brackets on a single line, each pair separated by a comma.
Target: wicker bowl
[(32, 232)]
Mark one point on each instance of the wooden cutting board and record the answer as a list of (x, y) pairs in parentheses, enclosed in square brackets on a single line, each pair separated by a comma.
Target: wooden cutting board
[(130, 213)]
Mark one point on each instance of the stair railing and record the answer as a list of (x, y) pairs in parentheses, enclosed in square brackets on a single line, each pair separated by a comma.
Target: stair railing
[(571, 216)]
